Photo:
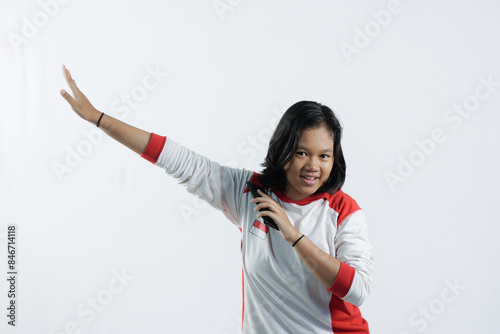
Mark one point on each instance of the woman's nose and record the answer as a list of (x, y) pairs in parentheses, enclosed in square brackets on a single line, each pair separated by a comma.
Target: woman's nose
[(312, 164)]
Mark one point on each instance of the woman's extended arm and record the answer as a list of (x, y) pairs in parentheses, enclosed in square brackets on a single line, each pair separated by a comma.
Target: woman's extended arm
[(132, 137)]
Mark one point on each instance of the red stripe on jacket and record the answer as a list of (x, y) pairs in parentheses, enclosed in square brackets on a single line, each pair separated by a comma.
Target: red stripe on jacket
[(154, 148)]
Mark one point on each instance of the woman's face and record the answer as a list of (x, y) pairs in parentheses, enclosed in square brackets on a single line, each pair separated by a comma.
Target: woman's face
[(311, 164)]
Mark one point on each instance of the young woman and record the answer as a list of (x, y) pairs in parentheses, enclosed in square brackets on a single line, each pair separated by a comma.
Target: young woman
[(309, 275)]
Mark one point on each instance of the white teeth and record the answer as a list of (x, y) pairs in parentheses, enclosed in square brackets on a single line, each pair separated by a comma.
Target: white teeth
[(309, 177)]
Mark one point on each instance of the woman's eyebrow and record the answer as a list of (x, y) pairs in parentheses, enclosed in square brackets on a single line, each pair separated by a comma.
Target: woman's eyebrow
[(326, 150)]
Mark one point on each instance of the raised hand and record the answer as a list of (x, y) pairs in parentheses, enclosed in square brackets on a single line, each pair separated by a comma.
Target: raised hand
[(79, 103)]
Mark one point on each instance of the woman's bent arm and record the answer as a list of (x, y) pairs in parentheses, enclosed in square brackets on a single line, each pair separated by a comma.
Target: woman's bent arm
[(132, 137)]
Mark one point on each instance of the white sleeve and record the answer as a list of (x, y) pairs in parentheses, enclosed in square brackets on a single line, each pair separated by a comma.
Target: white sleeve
[(354, 249), (221, 187)]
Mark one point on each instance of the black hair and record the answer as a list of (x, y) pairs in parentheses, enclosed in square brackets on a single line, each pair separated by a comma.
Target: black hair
[(283, 144)]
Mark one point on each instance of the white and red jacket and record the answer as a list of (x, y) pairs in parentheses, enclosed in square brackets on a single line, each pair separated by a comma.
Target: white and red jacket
[(280, 293)]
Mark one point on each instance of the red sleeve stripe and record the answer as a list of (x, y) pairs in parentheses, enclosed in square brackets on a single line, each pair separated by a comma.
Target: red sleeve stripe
[(343, 282), (154, 148), (344, 205)]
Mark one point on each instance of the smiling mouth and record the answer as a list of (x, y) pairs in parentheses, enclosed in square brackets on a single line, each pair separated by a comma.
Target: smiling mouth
[(309, 177), (309, 180)]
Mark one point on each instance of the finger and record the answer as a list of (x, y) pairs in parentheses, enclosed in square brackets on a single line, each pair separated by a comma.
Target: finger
[(262, 193), (69, 78), (269, 214), (67, 97), (71, 82), (257, 207), (258, 200), (265, 205)]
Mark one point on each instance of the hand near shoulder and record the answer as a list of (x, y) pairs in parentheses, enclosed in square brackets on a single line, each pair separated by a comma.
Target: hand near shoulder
[(79, 103), (278, 214)]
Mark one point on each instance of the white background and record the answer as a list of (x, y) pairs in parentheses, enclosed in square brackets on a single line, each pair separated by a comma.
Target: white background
[(88, 209)]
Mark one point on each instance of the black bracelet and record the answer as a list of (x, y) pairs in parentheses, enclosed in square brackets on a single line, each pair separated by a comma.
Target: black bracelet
[(99, 121), (303, 235)]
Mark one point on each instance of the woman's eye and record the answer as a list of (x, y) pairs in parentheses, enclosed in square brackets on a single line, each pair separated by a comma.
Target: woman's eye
[(301, 153), (324, 156)]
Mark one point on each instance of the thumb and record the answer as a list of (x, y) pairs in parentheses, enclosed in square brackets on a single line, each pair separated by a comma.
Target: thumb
[(67, 97)]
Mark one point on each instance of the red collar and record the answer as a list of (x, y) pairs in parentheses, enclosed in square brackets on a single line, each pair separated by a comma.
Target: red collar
[(304, 201)]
